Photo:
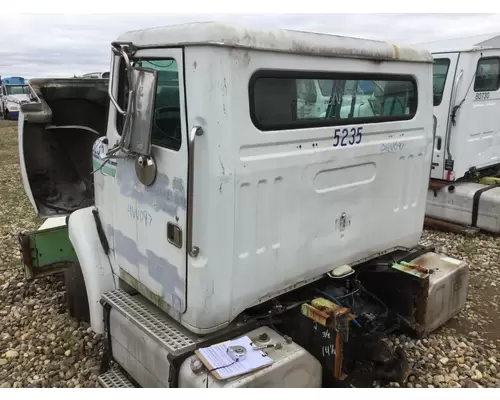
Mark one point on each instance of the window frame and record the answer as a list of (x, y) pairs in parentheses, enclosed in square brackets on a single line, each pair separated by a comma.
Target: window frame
[(119, 118), (334, 75), (498, 76), (445, 78)]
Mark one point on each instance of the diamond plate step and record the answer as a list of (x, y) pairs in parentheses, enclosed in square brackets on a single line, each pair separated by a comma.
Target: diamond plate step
[(174, 339), (114, 378), (426, 242)]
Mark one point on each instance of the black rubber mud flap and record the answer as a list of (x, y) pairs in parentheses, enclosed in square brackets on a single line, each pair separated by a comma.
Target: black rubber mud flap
[(76, 293)]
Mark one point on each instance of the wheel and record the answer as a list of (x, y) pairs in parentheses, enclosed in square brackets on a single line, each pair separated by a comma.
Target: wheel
[(76, 293)]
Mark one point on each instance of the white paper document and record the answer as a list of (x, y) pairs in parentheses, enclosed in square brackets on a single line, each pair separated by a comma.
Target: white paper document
[(222, 363)]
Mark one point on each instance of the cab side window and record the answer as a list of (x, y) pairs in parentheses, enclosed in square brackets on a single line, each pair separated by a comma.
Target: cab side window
[(487, 75)]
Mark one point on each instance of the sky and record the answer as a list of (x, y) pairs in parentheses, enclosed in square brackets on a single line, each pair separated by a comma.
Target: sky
[(63, 45)]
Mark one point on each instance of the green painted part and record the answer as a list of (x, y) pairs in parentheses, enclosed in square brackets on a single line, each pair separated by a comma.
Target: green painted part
[(50, 248), (107, 170), (408, 269), (489, 180)]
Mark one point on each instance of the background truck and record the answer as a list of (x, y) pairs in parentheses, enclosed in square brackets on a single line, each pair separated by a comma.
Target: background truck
[(197, 206), (466, 162), (14, 91)]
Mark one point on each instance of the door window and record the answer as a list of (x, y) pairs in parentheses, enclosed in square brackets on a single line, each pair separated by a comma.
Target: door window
[(439, 74), (167, 116)]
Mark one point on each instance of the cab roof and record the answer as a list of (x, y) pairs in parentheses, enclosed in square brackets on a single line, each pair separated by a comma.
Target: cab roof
[(275, 40), (463, 44)]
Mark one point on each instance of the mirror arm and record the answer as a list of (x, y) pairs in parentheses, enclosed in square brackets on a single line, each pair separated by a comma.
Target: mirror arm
[(119, 50), (110, 85)]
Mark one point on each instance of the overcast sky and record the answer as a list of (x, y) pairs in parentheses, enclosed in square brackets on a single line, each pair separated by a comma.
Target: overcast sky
[(45, 45)]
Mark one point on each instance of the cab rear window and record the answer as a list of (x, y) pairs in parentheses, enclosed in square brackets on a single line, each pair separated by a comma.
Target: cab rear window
[(294, 100)]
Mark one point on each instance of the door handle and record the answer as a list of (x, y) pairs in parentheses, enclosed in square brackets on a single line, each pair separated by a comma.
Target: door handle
[(439, 142), (193, 251)]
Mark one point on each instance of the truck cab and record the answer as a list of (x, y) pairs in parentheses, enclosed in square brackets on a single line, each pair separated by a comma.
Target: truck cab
[(201, 201), (466, 91), (13, 92), (96, 75)]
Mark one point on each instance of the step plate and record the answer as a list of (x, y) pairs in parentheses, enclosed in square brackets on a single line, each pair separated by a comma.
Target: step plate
[(175, 341), (426, 243), (114, 378)]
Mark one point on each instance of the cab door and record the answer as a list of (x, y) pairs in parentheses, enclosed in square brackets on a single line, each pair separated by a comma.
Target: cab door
[(149, 222), (445, 77)]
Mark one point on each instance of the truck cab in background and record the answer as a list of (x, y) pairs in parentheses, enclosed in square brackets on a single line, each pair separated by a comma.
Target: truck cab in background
[(466, 162), (13, 92), (466, 105), (96, 75), (203, 205)]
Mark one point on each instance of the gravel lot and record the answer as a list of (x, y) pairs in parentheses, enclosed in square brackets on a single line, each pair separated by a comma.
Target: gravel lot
[(40, 346)]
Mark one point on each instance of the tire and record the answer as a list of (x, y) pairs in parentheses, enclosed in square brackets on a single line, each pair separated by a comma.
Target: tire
[(76, 293)]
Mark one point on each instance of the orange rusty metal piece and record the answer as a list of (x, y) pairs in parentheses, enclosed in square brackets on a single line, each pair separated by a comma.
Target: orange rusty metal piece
[(310, 312), (331, 313), (335, 317), (436, 185)]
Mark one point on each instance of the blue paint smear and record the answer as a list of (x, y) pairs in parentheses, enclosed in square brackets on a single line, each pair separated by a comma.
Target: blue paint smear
[(160, 269), (161, 195)]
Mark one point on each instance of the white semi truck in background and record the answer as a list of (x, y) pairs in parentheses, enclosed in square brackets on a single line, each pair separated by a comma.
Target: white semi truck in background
[(14, 91), (192, 204)]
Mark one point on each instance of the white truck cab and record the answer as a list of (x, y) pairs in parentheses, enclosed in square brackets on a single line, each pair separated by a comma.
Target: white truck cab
[(96, 75), (11, 98), (466, 162), (199, 194), (466, 105)]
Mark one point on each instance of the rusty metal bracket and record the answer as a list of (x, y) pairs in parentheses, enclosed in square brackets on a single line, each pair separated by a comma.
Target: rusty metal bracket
[(26, 256), (335, 317)]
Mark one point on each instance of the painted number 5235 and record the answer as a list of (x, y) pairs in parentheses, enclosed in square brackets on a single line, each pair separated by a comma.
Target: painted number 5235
[(347, 136)]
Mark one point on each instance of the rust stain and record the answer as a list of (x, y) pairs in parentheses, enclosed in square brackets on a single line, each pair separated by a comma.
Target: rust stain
[(329, 314), (316, 315), (436, 185), (26, 256), (337, 372), (396, 52), (335, 317)]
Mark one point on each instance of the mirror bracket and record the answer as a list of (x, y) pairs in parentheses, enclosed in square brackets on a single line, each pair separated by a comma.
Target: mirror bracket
[(146, 170), (135, 137)]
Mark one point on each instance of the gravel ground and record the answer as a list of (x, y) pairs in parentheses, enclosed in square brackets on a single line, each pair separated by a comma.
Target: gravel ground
[(40, 346)]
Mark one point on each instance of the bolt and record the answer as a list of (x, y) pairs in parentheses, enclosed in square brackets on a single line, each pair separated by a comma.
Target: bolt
[(194, 251), (196, 365), (263, 337)]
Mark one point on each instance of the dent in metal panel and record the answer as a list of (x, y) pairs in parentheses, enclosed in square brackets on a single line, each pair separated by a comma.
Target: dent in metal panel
[(159, 269), (160, 196)]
